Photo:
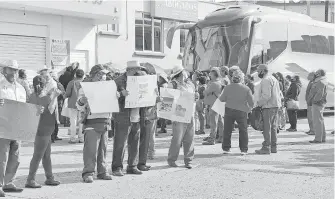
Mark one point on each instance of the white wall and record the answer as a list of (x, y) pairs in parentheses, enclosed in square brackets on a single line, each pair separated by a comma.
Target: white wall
[(81, 33)]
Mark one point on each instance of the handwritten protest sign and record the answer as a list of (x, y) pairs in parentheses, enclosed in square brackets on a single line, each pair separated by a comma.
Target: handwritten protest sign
[(101, 96), (219, 107), (142, 91), (19, 121), (176, 105)]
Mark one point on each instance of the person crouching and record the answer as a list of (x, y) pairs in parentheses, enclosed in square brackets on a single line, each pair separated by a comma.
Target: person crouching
[(42, 145)]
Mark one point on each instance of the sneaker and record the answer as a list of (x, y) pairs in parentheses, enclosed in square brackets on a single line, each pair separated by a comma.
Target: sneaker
[(226, 151), (188, 166), (263, 151), (143, 168), (291, 130), (51, 182), (200, 133), (209, 142), (11, 188), (88, 179), (172, 164), (118, 172), (315, 142), (206, 138), (33, 185), (105, 177)]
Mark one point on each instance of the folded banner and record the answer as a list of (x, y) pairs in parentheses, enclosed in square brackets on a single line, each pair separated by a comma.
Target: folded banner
[(219, 107), (101, 96), (142, 91), (19, 121), (176, 105)]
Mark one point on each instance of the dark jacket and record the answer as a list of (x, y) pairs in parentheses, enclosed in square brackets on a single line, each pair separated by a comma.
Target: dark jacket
[(47, 122), (66, 78), (123, 116), (318, 92), (293, 91), (308, 90)]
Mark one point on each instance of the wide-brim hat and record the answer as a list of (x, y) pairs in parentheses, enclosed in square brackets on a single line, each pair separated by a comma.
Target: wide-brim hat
[(134, 65), (10, 64), (44, 68), (176, 70), (150, 69)]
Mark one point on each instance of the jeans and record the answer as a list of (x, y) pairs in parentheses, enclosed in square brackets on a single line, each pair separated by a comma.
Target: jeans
[(292, 115), (122, 134), (95, 149), (201, 117), (270, 116), (214, 121), (73, 125), (54, 135), (9, 160), (182, 133), (310, 119), (147, 140), (42, 151), (241, 118), (318, 123), (208, 123), (220, 127)]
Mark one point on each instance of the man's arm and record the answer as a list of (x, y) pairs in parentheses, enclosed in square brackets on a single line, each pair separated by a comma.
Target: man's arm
[(250, 99)]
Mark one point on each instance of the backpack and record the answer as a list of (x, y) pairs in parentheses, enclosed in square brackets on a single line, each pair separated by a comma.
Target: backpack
[(256, 119)]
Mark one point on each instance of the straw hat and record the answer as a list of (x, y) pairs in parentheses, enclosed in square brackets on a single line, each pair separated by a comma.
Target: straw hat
[(10, 64), (176, 70), (44, 68)]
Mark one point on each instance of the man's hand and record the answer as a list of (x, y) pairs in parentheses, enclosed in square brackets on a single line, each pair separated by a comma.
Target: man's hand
[(2, 102), (125, 93)]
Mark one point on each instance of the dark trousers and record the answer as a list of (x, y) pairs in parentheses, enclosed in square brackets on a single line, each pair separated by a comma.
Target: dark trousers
[(147, 128), (161, 123), (112, 131), (232, 115), (122, 134), (54, 135), (293, 117)]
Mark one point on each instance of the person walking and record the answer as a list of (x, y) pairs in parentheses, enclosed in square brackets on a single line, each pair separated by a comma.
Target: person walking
[(24, 82), (9, 149), (269, 100), (72, 95), (292, 94), (211, 93), (318, 98), (96, 128), (239, 102), (182, 133), (200, 106), (311, 78), (42, 144)]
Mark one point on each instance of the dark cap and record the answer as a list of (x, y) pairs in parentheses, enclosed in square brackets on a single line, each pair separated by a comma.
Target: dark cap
[(97, 68), (80, 73)]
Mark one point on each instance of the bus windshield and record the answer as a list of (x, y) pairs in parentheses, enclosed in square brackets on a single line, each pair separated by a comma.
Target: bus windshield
[(224, 45)]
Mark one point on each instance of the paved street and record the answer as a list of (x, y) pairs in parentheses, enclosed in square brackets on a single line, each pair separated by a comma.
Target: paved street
[(298, 170)]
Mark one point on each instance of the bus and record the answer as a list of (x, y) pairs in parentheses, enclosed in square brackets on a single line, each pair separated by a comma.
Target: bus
[(250, 35)]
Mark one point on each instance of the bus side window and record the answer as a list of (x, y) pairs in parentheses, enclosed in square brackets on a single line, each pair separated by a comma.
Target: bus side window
[(257, 57)]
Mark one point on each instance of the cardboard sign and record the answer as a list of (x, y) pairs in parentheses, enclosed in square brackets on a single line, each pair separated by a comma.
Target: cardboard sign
[(142, 91), (176, 105), (101, 96), (219, 107), (19, 121)]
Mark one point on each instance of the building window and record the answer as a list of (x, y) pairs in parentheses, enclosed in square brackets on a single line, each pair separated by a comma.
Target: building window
[(148, 33), (183, 34), (112, 28)]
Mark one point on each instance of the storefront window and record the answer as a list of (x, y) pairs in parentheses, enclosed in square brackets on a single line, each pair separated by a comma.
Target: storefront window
[(147, 33)]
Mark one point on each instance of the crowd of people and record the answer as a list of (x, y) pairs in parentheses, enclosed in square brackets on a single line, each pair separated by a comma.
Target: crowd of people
[(135, 128)]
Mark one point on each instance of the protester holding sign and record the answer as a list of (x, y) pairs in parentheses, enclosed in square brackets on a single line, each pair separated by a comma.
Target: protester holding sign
[(42, 145), (9, 149), (183, 133), (96, 126)]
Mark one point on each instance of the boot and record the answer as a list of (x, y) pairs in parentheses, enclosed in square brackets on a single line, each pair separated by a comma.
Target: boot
[(263, 151)]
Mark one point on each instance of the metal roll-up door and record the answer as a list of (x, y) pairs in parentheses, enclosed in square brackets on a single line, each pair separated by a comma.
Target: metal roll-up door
[(30, 52)]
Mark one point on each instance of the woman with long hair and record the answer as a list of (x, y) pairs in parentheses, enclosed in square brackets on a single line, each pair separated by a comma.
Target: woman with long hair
[(42, 144), (293, 94)]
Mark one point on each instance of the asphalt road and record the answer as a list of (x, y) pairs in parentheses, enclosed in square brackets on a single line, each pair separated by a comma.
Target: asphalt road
[(298, 170)]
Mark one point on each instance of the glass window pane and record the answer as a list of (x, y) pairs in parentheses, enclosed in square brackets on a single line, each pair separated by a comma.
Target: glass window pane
[(138, 21), (320, 45), (147, 38), (138, 15), (147, 22), (157, 39), (102, 27), (147, 16), (139, 38)]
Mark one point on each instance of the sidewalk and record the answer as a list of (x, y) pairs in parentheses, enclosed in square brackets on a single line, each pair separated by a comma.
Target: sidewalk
[(298, 170)]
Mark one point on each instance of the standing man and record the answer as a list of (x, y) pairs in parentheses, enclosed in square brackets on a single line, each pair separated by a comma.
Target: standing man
[(211, 93), (9, 149), (270, 100), (310, 77), (96, 128), (318, 98)]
